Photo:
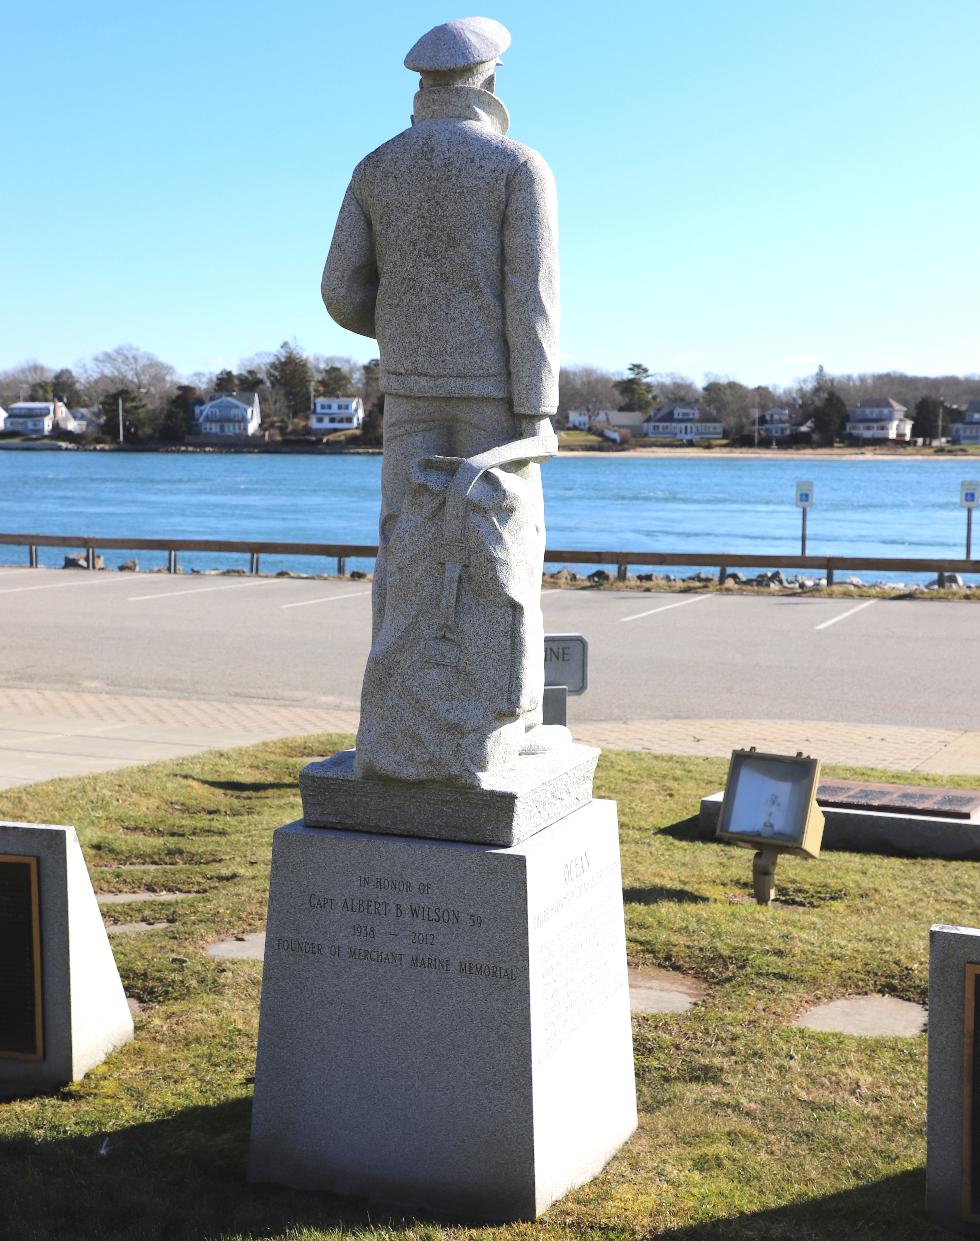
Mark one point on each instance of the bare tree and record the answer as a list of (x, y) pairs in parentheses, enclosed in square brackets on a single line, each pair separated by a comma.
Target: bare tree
[(673, 387), (17, 382), (586, 387), (133, 368)]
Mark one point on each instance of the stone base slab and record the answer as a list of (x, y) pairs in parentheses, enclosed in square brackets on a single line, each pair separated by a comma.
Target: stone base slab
[(527, 798), (444, 1026), (880, 831)]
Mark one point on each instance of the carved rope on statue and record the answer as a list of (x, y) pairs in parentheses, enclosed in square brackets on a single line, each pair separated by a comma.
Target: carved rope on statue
[(454, 681)]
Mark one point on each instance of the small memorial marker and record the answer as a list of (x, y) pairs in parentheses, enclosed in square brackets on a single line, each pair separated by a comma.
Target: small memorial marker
[(566, 671), (910, 799), (62, 1006)]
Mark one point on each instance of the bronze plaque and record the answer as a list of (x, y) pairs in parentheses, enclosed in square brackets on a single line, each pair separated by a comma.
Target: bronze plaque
[(900, 798), (20, 959)]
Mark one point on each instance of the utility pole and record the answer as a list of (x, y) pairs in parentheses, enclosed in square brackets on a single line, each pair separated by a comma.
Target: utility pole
[(119, 398)]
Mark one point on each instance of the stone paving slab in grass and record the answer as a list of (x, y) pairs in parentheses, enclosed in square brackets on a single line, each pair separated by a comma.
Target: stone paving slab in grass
[(866, 1016), (663, 991), (124, 928), (239, 947)]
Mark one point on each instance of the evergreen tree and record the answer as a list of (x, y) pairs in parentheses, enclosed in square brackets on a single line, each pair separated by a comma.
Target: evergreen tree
[(289, 373), (179, 418), (250, 380), (225, 381), (372, 428), (927, 418), (636, 391), (64, 386), (333, 381), (136, 421), (829, 417)]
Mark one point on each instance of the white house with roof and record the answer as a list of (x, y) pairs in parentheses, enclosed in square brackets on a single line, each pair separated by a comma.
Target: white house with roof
[(36, 419), (580, 419), (336, 413), (612, 423), (234, 415), (681, 420), (968, 431), (878, 418), (87, 421)]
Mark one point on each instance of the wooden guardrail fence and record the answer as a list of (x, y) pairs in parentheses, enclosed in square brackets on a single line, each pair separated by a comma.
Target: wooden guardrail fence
[(827, 566)]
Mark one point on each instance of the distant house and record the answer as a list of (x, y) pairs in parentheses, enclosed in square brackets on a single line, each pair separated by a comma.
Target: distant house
[(579, 419), (968, 431), (231, 415), (87, 421), (3, 417), (781, 421), (612, 423), (336, 413), (36, 419), (878, 418), (681, 420)]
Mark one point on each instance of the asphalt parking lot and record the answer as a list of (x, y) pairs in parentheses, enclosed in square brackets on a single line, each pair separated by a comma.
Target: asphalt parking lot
[(910, 663)]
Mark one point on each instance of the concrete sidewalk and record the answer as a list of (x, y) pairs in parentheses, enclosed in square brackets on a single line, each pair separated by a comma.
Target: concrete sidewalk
[(46, 733)]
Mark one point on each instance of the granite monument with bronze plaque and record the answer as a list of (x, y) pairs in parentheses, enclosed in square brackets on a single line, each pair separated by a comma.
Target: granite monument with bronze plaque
[(63, 1006)]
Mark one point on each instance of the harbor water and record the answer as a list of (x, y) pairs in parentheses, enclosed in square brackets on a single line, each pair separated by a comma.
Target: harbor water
[(862, 506)]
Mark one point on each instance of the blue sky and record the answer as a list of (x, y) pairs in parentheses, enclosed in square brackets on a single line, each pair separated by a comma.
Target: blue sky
[(746, 188)]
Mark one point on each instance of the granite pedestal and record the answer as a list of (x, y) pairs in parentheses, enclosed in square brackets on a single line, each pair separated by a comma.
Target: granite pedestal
[(444, 1025), (62, 1006)]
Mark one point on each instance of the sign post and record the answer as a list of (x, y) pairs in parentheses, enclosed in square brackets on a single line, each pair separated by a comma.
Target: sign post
[(804, 498), (969, 498)]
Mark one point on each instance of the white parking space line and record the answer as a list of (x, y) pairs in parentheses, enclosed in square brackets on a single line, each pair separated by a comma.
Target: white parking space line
[(665, 608), (305, 603), (554, 590), (13, 590), (844, 615), (201, 590)]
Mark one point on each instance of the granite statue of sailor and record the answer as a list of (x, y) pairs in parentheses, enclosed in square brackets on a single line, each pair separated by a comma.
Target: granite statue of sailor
[(445, 251)]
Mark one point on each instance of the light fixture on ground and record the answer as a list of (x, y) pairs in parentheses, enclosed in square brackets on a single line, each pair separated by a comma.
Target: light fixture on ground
[(770, 805)]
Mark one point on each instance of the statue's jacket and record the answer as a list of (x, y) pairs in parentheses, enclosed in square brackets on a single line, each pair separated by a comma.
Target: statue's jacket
[(446, 251)]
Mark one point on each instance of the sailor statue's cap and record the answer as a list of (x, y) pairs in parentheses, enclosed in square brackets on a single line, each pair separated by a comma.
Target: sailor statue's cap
[(458, 44)]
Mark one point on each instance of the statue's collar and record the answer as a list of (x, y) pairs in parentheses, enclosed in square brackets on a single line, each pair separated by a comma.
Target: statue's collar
[(461, 103)]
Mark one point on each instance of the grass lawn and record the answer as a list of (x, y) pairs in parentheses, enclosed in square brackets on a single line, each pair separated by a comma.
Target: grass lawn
[(578, 439), (748, 1128)]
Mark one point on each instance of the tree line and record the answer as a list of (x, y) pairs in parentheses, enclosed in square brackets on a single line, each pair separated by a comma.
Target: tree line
[(158, 404), (934, 402)]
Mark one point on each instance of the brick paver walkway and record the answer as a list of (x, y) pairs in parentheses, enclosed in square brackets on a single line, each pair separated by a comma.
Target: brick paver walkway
[(46, 733)]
